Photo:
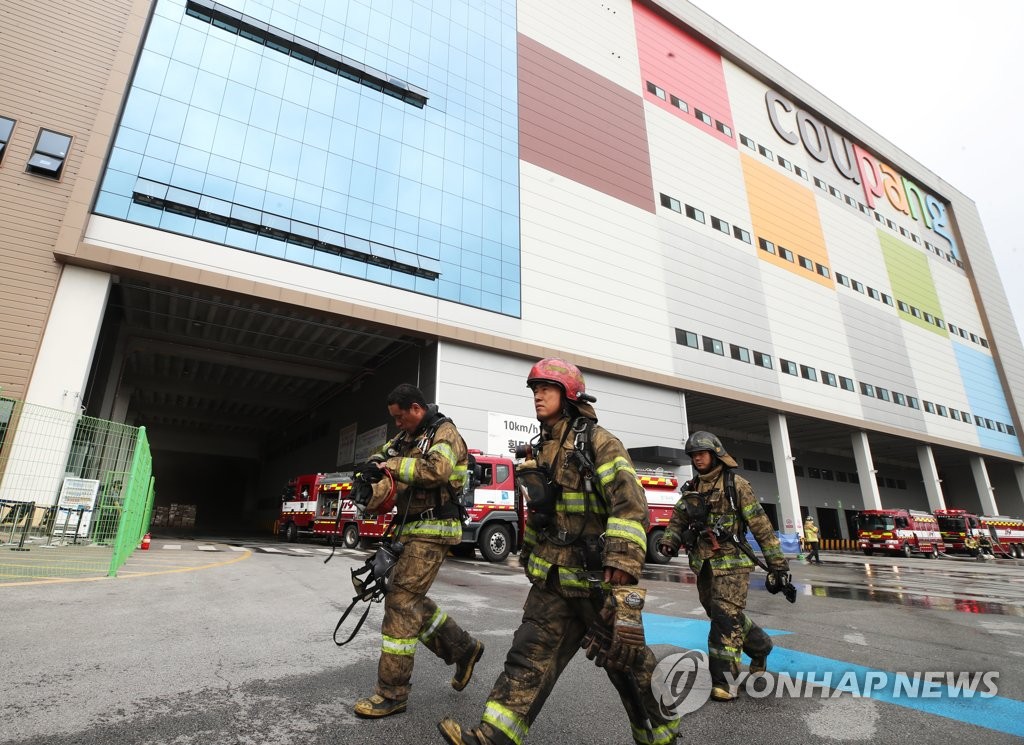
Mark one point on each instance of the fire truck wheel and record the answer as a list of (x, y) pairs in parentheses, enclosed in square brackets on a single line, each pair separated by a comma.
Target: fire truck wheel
[(291, 533), (935, 552), (350, 536), (907, 551), (1019, 549), (654, 556), (495, 542)]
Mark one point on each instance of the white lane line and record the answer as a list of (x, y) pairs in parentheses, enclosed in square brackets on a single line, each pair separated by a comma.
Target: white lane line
[(270, 550), (206, 548), (300, 551), (172, 547), (238, 548)]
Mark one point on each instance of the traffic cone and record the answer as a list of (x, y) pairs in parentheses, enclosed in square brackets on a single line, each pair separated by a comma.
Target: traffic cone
[(146, 540)]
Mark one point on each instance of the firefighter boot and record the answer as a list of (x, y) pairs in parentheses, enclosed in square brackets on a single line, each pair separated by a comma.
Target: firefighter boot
[(464, 667), (376, 707), (453, 734), (722, 693)]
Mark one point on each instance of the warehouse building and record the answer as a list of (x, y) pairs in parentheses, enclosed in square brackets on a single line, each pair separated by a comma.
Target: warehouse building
[(240, 224)]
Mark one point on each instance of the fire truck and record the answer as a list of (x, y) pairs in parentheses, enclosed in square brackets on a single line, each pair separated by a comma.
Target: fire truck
[(965, 532), (495, 521), (899, 531)]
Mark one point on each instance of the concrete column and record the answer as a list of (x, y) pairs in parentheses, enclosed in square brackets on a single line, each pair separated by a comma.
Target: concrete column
[(865, 470), (782, 457), (930, 476), (984, 486)]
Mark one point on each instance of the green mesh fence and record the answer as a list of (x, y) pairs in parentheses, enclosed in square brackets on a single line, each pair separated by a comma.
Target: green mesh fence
[(75, 493)]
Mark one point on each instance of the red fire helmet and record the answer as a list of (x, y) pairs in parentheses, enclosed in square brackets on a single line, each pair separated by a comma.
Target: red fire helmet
[(561, 373)]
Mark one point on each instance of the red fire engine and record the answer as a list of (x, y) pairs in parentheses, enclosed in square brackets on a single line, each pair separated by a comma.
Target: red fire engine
[(899, 532), (496, 519), (965, 532)]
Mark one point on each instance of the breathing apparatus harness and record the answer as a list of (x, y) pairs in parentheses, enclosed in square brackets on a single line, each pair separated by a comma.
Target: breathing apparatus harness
[(543, 492), (696, 507), (373, 579)]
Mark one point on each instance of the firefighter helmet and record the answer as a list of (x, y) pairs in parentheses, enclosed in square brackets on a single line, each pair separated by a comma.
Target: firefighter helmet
[(563, 374), (702, 440)]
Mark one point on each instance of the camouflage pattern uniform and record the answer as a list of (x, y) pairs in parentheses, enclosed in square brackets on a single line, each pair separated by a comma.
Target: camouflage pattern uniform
[(428, 472), (723, 574), (560, 607)]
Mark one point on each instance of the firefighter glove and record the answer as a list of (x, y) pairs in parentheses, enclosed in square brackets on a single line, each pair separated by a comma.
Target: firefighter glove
[(368, 473), (628, 642), (597, 642), (362, 493), (667, 549)]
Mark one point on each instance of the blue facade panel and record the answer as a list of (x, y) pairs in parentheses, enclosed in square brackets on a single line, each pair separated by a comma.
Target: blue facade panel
[(297, 129), (987, 400)]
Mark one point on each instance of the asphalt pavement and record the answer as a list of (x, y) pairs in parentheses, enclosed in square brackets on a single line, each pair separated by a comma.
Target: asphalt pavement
[(229, 642)]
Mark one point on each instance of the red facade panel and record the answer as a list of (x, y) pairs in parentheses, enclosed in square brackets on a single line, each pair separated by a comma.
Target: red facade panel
[(683, 67), (582, 126)]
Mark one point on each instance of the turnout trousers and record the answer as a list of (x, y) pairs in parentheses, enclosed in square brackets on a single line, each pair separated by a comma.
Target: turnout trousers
[(724, 597), (410, 617), (552, 629)]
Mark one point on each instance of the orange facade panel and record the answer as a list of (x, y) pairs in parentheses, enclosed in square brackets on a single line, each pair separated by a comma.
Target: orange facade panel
[(786, 213)]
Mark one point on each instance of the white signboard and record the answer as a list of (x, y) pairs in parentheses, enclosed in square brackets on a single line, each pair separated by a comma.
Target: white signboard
[(75, 495), (346, 445), (506, 431), (370, 442)]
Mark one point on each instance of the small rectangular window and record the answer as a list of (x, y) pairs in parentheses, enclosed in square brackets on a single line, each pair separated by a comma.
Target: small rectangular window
[(929, 407), (854, 478), (800, 172), (741, 234), (679, 103), (846, 384), (899, 398), (903, 306), (820, 184), (826, 474), (763, 360), (720, 225), (989, 424), (915, 238), (842, 279), (785, 253), (6, 130), (974, 337), (841, 476), (929, 317), (915, 312), (766, 466), (940, 409), (858, 286), (834, 192), (984, 342), (814, 473), (965, 416), (747, 141), (703, 117), (672, 204), (873, 294), (695, 214), (850, 200), (904, 232), (723, 128), (952, 329), (882, 394), (765, 152), (806, 263), (49, 154), (686, 338), (788, 367), (798, 471), (887, 299), (867, 389), (863, 207), (962, 332), (808, 373), (890, 224), (891, 482), (713, 345), (749, 464), (912, 403), (1010, 430), (829, 379), (954, 414), (879, 217), (656, 90), (785, 163), (979, 421), (739, 353), (823, 271), (766, 245)]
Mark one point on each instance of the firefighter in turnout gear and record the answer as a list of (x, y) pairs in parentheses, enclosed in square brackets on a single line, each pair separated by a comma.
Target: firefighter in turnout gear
[(583, 552), (427, 461), (710, 521)]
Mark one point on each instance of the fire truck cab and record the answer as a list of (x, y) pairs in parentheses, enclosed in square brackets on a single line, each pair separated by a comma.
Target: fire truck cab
[(662, 490), (307, 498), (496, 518), (899, 531), (965, 532)]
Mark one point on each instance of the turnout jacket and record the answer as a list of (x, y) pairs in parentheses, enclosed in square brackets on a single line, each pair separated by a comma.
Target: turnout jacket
[(617, 510), (430, 468), (728, 557)]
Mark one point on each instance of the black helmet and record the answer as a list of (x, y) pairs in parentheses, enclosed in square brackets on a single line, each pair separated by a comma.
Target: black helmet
[(702, 440)]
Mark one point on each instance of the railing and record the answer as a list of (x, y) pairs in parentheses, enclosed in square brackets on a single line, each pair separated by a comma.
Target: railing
[(76, 493)]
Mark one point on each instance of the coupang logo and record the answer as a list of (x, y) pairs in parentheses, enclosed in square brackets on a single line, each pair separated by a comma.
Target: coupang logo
[(851, 160)]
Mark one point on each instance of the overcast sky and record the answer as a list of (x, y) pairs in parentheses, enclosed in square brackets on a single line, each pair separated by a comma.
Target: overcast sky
[(940, 79)]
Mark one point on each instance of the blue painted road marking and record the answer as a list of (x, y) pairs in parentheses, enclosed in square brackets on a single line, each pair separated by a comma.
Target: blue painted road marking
[(996, 713)]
